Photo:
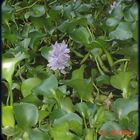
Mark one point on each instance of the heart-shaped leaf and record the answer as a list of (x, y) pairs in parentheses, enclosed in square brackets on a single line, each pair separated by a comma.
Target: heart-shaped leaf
[(37, 134), (122, 32), (73, 120), (81, 35), (121, 81), (66, 104), (83, 87), (122, 107), (26, 114), (47, 86), (28, 85), (62, 131), (82, 108), (36, 11)]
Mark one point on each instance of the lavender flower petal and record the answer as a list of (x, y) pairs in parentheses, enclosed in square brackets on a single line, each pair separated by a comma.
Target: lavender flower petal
[(58, 57)]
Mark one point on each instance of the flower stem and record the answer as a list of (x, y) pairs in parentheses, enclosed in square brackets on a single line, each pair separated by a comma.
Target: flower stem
[(85, 58), (102, 64), (27, 7), (110, 60), (100, 70), (119, 61), (10, 95)]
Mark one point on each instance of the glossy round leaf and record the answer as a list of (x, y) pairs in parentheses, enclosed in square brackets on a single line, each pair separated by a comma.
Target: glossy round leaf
[(33, 99), (26, 114), (62, 131), (111, 22), (28, 85), (37, 134), (122, 32), (122, 107), (47, 86), (38, 11), (82, 108), (66, 104), (81, 35), (73, 120), (83, 88)]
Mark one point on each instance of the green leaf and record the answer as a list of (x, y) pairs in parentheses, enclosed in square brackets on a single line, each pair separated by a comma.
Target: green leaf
[(96, 51), (45, 52), (35, 38), (28, 85), (135, 31), (8, 66), (37, 134), (78, 73), (47, 86), (133, 121), (68, 26), (31, 99), (89, 134), (37, 11), (111, 22), (131, 14), (122, 32), (81, 35), (98, 119), (82, 108), (26, 114), (64, 27), (83, 87), (55, 114), (122, 83), (73, 120), (42, 114), (62, 131), (25, 43), (66, 104), (92, 108), (7, 12), (10, 36), (39, 23), (118, 12), (131, 51), (8, 116), (84, 8), (103, 79), (110, 116), (122, 107), (109, 128)]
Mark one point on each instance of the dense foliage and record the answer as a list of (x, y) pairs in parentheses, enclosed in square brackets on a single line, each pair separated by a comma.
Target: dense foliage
[(97, 92)]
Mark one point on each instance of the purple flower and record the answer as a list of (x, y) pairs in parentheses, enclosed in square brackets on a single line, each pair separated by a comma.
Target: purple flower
[(58, 57)]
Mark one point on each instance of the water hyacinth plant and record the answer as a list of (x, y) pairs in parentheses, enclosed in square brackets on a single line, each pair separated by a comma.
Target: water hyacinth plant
[(69, 70)]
